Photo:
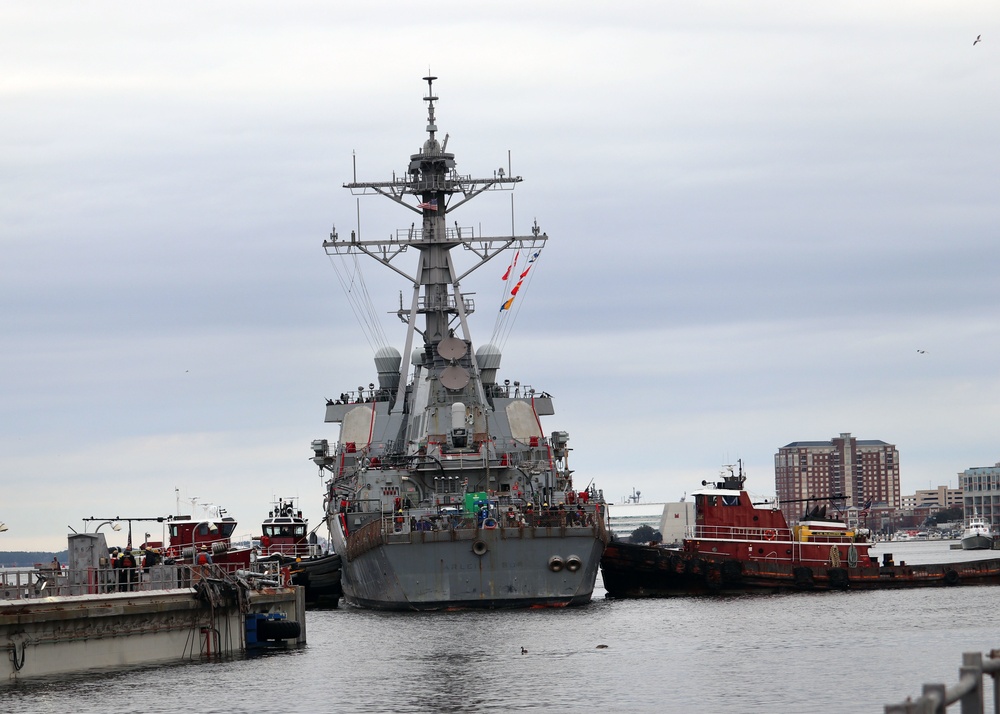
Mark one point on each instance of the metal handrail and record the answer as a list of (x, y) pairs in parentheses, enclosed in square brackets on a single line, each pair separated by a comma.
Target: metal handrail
[(738, 533), (42, 583), (968, 691)]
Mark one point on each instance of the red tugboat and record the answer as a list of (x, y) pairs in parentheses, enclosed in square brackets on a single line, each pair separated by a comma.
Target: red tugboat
[(286, 540), (737, 545), (206, 540)]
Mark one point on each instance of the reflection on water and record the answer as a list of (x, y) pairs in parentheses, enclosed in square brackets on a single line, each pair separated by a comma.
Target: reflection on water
[(851, 652)]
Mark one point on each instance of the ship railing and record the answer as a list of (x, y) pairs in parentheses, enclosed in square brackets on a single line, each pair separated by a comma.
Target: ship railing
[(94, 581), (445, 303), (456, 233), (292, 550), (831, 538), (499, 515), (43, 583), (738, 533), (969, 692)]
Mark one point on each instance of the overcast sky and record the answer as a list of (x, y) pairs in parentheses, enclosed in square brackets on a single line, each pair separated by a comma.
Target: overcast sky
[(758, 214)]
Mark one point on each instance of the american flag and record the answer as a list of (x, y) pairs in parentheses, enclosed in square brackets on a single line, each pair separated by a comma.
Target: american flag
[(431, 205)]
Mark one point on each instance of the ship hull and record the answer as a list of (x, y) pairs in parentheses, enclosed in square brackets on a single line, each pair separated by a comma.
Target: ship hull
[(977, 542), (641, 571), (480, 569), (320, 577)]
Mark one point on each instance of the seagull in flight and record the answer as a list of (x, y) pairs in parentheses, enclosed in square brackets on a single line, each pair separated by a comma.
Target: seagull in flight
[(979, 38), (923, 352)]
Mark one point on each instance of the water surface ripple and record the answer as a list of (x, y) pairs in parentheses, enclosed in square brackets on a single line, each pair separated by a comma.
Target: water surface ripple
[(848, 652)]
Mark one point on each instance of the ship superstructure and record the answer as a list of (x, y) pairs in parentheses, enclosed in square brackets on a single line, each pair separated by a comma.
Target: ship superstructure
[(443, 490)]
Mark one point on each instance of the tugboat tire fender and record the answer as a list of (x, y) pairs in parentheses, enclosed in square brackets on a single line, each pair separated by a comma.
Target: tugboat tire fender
[(278, 629), (803, 578), (713, 576), (839, 578), (951, 577), (732, 571)]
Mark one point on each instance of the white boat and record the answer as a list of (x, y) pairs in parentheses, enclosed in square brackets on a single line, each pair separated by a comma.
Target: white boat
[(978, 535)]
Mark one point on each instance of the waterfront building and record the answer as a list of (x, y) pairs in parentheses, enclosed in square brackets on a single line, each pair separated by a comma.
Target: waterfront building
[(669, 519), (863, 472), (943, 496), (981, 492)]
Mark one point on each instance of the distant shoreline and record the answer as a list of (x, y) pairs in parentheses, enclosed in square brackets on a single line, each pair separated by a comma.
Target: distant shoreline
[(28, 558)]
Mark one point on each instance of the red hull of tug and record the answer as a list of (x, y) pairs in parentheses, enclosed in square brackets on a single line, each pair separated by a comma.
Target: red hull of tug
[(632, 571), (738, 546)]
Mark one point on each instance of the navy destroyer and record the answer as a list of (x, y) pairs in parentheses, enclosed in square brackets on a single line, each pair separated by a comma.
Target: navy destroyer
[(442, 489)]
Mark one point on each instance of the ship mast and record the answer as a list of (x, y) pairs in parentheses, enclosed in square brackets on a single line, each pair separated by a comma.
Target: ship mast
[(431, 178)]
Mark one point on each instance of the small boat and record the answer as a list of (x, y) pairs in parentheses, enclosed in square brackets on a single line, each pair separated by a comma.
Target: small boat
[(737, 545), (978, 535), (197, 540), (204, 541), (286, 540)]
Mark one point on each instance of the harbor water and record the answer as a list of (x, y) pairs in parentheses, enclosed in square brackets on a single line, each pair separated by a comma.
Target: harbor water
[(838, 652)]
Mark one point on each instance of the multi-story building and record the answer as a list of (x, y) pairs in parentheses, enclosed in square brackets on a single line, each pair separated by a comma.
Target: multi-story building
[(841, 472), (942, 496), (981, 487)]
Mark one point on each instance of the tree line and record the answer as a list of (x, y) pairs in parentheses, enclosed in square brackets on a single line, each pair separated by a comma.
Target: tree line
[(28, 558)]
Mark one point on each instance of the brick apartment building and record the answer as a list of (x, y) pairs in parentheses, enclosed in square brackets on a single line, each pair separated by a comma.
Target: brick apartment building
[(864, 471)]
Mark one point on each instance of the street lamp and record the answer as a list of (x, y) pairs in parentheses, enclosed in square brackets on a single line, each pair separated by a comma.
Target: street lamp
[(3, 527)]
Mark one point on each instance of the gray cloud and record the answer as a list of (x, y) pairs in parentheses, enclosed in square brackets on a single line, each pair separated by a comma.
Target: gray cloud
[(758, 215)]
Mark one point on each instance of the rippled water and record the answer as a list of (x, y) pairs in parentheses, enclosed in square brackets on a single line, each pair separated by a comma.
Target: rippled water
[(846, 652)]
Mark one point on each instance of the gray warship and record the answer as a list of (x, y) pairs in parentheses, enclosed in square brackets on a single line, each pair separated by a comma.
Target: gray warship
[(442, 491)]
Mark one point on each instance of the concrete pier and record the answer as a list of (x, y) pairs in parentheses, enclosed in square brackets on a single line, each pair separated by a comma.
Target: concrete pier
[(57, 622), (57, 635)]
